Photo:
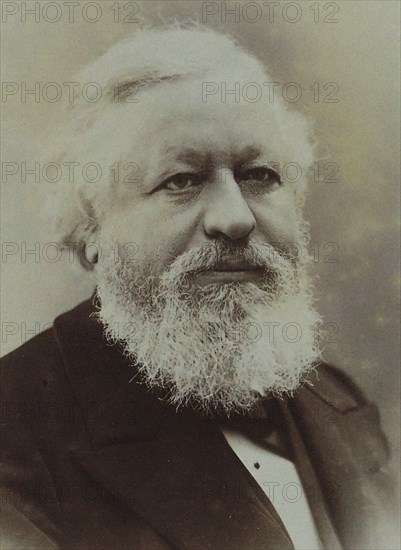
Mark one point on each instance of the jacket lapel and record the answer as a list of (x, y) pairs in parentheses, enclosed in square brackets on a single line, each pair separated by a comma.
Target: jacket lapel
[(338, 433), (174, 469), (187, 484)]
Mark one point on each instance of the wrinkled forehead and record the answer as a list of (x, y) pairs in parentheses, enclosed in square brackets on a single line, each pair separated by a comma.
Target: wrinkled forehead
[(181, 119)]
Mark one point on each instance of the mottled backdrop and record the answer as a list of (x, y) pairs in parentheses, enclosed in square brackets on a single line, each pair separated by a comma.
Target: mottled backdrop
[(359, 213)]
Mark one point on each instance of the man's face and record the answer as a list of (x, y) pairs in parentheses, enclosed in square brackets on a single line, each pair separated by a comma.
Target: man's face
[(205, 247), (210, 174)]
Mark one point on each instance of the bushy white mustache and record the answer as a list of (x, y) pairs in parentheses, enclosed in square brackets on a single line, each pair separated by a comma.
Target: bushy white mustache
[(277, 264), (186, 337)]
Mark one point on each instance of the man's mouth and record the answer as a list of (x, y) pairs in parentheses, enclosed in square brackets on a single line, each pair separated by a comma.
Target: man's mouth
[(230, 270)]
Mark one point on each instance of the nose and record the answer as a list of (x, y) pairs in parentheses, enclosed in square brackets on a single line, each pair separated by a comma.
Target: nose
[(227, 214)]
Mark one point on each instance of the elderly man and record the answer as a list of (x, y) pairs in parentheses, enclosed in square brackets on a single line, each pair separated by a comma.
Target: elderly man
[(186, 405)]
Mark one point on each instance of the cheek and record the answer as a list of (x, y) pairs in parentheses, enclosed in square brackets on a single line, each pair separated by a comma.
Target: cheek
[(278, 218), (151, 234)]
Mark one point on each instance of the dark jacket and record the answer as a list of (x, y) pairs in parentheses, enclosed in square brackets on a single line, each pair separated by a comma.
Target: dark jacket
[(92, 460)]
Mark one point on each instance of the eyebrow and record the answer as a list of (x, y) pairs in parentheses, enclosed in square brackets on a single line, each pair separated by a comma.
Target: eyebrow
[(193, 156), (246, 154), (198, 160), (183, 154), (173, 155)]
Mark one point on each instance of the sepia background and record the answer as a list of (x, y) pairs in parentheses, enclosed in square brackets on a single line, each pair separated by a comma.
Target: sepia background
[(358, 292)]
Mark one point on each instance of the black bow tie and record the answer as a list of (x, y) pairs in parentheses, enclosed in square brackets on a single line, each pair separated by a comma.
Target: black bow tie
[(264, 425)]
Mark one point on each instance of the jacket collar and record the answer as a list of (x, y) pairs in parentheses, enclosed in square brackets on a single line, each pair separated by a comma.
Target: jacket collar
[(115, 407)]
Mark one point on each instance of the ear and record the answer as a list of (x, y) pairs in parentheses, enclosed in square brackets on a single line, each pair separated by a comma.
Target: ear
[(88, 254)]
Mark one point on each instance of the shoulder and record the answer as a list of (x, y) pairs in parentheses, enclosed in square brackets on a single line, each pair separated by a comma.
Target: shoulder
[(331, 404), (33, 360), (38, 362), (32, 386), (335, 387)]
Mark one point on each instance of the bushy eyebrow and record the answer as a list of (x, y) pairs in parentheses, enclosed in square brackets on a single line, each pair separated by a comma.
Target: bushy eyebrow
[(193, 156), (246, 154)]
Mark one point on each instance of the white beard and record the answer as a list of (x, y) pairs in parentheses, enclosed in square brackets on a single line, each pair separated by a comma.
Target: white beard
[(221, 346)]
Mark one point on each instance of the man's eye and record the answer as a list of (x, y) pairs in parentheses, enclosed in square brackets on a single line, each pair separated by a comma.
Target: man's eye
[(261, 174), (181, 182)]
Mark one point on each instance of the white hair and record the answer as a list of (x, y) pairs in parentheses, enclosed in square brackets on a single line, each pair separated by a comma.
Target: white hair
[(191, 340), (88, 132)]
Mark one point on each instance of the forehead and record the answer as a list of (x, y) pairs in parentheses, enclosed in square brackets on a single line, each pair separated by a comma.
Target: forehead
[(222, 132), (175, 122)]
